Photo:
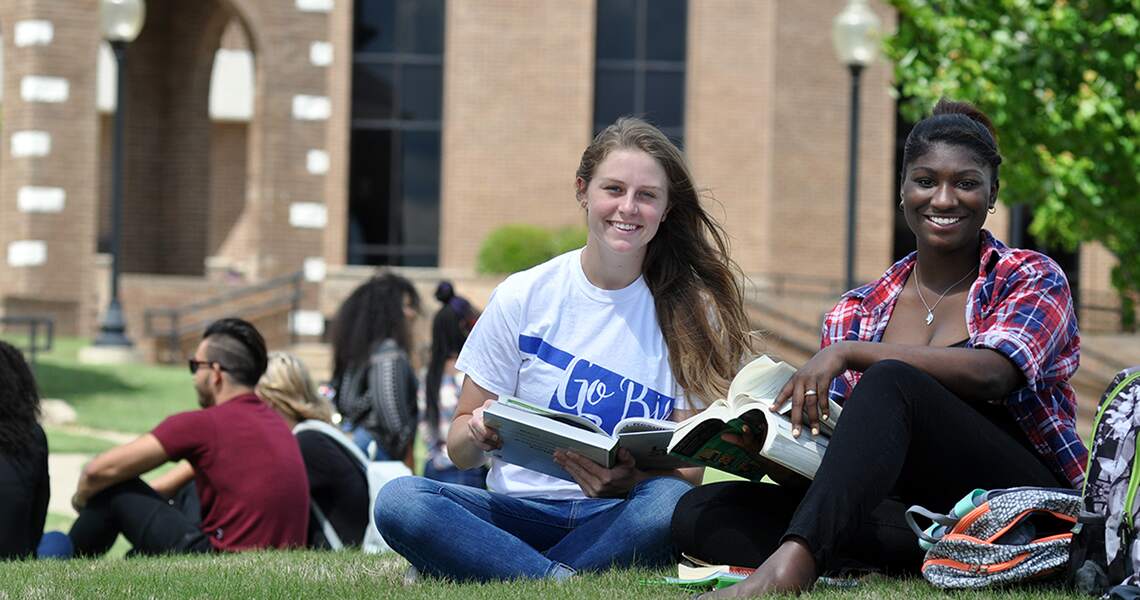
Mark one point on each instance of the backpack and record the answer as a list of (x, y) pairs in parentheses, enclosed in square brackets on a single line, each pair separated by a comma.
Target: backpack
[(1107, 551), (377, 473), (998, 536)]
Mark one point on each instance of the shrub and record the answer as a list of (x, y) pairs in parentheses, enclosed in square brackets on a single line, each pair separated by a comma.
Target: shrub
[(567, 239), (517, 247)]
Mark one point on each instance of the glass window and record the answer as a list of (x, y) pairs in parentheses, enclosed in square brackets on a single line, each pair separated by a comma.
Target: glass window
[(420, 218), (665, 98), (640, 63), (421, 93), (397, 111), (613, 96), (666, 21), (373, 29), (373, 91), (420, 24), (616, 38)]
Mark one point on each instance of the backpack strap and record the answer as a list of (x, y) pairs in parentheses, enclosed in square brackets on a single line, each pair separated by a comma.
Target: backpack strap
[(947, 521), (326, 527), (358, 458), (337, 435)]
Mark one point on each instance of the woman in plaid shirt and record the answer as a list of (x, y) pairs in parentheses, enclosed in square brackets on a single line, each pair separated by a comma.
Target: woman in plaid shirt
[(953, 369)]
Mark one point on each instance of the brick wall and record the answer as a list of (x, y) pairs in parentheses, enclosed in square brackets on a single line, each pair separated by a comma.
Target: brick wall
[(518, 99), (48, 196)]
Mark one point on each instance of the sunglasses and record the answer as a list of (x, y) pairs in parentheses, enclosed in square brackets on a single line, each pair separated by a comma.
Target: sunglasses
[(198, 364)]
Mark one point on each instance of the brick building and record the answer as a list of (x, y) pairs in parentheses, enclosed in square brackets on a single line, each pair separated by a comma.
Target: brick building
[(268, 136)]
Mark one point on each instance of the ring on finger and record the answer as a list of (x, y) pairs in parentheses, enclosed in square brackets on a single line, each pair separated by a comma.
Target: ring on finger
[(809, 392)]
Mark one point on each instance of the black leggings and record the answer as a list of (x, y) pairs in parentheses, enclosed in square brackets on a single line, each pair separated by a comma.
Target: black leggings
[(903, 439), (151, 523)]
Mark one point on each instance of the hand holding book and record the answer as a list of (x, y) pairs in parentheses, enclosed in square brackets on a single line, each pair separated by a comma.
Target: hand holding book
[(597, 481), (486, 438), (807, 390), (744, 434)]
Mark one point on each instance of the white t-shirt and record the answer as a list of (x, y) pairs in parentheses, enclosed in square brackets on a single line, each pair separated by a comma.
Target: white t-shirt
[(552, 338)]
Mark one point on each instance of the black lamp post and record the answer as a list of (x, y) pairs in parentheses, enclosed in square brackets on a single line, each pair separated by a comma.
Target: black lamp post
[(121, 20), (855, 33)]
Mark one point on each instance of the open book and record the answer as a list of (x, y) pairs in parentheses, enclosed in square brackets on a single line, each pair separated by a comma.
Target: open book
[(696, 574), (752, 392), (532, 433)]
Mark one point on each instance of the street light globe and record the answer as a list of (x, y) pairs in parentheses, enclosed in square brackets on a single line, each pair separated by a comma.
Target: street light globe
[(122, 19), (856, 34)]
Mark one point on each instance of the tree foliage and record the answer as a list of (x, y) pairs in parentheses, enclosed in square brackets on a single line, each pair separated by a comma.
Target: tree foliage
[(1061, 81)]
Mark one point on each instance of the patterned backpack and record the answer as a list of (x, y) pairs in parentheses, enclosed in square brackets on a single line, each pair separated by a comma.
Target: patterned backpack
[(998, 536), (1107, 550)]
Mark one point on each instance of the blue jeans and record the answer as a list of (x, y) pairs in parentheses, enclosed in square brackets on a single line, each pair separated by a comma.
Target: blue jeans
[(464, 533), (369, 445), (476, 478)]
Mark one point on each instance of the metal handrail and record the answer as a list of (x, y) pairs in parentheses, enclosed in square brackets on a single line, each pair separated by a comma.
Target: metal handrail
[(177, 316), (33, 324)]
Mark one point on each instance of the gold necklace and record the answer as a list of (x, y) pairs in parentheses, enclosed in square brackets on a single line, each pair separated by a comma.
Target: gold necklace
[(929, 308)]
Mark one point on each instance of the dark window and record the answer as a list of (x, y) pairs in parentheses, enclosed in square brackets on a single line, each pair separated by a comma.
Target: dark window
[(640, 64), (397, 108)]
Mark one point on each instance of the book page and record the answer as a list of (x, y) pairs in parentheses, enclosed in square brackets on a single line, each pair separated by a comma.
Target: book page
[(650, 449), (802, 455), (567, 418), (759, 381)]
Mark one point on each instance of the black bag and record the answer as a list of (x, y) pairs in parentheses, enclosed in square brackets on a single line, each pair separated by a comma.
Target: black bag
[(1106, 549)]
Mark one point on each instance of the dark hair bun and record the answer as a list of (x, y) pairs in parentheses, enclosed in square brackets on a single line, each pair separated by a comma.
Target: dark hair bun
[(952, 107)]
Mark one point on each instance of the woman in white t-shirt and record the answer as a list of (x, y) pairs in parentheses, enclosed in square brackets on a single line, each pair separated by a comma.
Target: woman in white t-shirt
[(646, 320)]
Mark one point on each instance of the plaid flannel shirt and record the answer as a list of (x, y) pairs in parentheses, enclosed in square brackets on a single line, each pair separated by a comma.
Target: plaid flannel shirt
[(1021, 307)]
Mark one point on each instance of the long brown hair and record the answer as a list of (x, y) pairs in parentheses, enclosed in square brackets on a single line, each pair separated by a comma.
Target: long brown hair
[(695, 285)]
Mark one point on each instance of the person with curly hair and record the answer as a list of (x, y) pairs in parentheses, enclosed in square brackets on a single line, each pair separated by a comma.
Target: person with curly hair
[(24, 485), (373, 377)]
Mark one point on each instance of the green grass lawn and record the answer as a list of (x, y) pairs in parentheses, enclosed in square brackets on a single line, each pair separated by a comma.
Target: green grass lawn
[(134, 398), (130, 398), (61, 441), (311, 574)]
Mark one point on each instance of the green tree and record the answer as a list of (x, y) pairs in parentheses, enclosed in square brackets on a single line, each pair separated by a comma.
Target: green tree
[(1061, 81)]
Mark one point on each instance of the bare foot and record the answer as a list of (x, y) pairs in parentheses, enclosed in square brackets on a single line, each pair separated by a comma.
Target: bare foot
[(791, 568)]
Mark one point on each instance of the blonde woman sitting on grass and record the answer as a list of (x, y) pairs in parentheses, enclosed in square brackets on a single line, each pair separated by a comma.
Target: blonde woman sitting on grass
[(338, 486)]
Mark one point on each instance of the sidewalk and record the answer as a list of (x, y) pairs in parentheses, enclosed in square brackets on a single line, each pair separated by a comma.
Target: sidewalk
[(64, 468)]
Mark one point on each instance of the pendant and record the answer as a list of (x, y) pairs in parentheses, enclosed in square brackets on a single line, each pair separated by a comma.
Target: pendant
[(929, 318)]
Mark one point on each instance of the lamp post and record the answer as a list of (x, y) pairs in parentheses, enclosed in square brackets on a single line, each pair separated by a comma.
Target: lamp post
[(855, 34), (121, 21)]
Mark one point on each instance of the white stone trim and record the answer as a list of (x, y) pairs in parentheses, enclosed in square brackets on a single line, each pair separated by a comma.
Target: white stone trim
[(311, 108), (30, 143), (41, 88), (321, 54), (307, 322), (106, 70), (308, 215), (315, 269), (317, 161), (32, 199), (317, 6), (27, 253), (33, 32), (231, 86)]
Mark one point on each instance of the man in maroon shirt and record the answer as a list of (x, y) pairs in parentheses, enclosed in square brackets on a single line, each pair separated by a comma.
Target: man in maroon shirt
[(252, 491)]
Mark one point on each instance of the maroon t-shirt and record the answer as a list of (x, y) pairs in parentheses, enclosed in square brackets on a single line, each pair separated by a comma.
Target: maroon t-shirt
[(248, 470)]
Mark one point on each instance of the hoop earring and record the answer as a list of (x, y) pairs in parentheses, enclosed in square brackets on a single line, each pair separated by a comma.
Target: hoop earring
[(992, 209), (900, 204)]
